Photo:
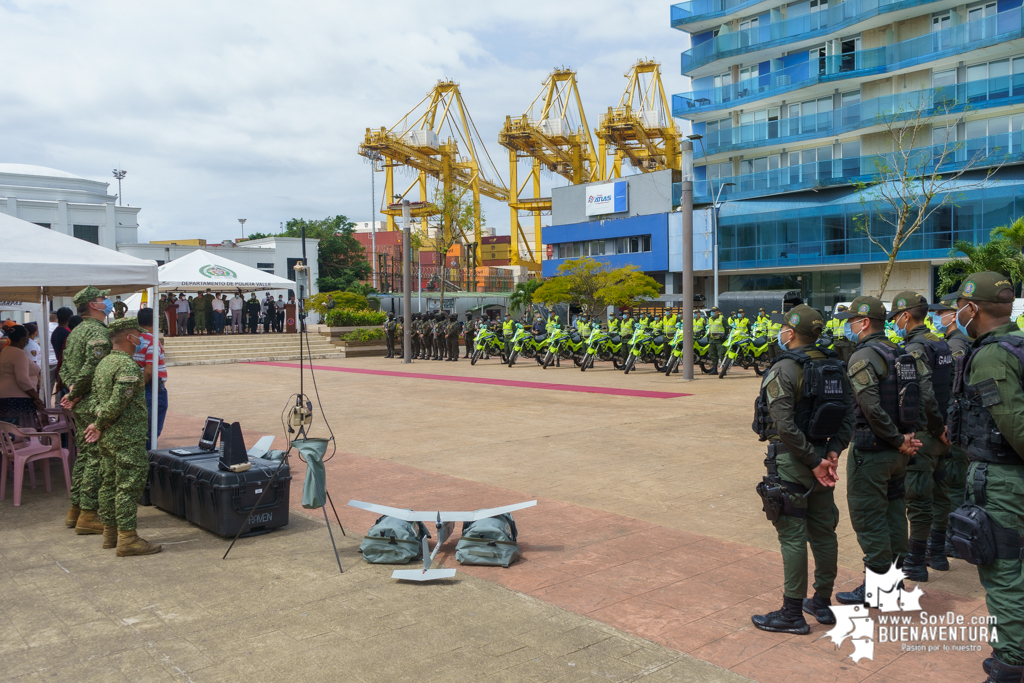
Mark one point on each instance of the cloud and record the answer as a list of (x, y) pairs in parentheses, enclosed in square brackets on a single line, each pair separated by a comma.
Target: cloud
[(222, 110)]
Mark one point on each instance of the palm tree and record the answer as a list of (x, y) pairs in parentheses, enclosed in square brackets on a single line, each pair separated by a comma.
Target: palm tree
[(999, 255), (522, 296), (1013, 233)]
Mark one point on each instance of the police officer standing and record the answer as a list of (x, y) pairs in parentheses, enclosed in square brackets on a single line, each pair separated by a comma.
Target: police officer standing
[(883, 439), (717, 330), (804, 412), (453, 330), (120, 308), (389, 334), (414, 334), (469, 332), (989, 398), (842, 345), (927, 469), (85, 347)]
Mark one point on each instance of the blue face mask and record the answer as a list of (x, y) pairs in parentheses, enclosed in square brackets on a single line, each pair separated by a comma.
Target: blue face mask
[(848, 332), (937, 323), (959, 325), (108, 307), (900, 332), (778, 338)]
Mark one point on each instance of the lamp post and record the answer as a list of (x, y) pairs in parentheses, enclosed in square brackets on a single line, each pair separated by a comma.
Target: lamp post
[(119, 174), (716, 206), (374, 158), (241, 222)]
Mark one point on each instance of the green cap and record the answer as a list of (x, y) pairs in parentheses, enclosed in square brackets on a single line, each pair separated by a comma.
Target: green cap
[(986, 286), (88, 294), (122, 324), (864, 307), (904, 300), (804, 319)]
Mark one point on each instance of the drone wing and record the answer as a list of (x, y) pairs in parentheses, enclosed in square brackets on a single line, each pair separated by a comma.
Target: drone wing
[(429, 516), (494, 512), (398, 513)]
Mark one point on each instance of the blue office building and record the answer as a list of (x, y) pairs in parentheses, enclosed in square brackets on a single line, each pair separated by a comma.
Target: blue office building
[(787, 99)]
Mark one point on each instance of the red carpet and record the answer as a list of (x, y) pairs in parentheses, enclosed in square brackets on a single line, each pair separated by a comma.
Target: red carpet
[(637, 393)]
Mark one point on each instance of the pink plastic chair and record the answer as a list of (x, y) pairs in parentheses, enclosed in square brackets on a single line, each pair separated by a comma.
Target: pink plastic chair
[(60, 421), (21, 447)]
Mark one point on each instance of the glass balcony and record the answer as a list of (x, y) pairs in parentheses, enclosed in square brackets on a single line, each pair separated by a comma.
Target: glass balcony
[(976, 153), (803, 27), (983, 94), (686, 12), (968, 36)]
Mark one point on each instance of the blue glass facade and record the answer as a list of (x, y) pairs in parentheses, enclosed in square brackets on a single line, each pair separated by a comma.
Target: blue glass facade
[(617, 242)]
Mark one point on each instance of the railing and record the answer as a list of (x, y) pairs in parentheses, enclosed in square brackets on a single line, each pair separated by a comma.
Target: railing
[(968, 36), (992, 92), (976, 152), (803, 27), (685, 12)]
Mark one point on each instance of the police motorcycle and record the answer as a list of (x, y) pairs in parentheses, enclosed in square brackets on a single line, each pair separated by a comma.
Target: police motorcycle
[(563, 346), (527, 345), (741, 350), (701, 355), (603, 346), (826, 340), (647, 346), (488, 343)]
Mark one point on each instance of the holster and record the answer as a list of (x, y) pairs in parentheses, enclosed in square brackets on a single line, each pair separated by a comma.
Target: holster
[(776, 494), (978, 538)]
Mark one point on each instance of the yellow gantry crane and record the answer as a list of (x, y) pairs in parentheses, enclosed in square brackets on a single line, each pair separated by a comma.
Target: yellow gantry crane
[(641, 129), (554, 134), (428, 140)]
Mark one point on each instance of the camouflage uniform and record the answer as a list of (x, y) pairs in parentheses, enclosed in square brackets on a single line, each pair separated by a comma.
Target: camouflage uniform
[(121, 417), (199, 308), (85, 347)]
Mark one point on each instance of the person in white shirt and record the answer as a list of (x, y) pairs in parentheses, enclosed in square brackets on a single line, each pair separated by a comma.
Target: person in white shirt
[(52, 353), (183, 310), (218, 314), (236, 304)]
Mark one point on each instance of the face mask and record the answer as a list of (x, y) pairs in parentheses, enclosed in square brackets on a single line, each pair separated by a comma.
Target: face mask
[(937, 323), (900, 332), (961, 326), (782, 344), (138, 347), (108, 307), (848, 332)]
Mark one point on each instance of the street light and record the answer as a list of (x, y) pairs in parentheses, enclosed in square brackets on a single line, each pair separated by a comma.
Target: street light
[(119, 174), (374, 157), (717, 207), (242, 223)]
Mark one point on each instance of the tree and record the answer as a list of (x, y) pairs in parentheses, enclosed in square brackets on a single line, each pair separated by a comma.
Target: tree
[(593, 286), (998, 255), (1013, 233), (915, 180), (522, 295), (452, 222)]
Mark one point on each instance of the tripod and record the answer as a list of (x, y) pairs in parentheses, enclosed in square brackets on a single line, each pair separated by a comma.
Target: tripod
[(301, 417)]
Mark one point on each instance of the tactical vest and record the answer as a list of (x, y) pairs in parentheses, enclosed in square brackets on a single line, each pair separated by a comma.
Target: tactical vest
[(822, 405), (716, 326), (900, 395), (970, 424), (940, 360)]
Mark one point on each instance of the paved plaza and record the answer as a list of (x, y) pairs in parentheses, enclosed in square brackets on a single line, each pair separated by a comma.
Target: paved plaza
[(643, 560)]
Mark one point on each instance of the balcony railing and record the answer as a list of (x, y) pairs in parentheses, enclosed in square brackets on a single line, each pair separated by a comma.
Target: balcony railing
[(686, 12), (976, 152), (929, 47), (983, 94), (803, 27)]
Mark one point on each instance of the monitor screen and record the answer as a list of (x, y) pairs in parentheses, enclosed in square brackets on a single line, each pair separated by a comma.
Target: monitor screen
[(210, 431)]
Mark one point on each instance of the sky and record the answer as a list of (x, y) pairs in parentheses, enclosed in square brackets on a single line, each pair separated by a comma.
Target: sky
[(225, 110)]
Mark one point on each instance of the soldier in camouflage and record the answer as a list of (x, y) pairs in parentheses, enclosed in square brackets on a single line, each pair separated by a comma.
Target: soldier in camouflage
[(469, 332), (87, 344), (119, 429)]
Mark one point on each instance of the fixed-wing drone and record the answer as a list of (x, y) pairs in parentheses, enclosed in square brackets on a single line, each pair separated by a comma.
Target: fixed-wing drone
[(444, 523)]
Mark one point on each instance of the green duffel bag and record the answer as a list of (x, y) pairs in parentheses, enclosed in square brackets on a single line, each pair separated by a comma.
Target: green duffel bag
[(393, 541), (490, 541)]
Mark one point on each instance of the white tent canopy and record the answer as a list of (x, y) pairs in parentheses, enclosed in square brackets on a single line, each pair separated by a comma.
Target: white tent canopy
[(203, 270), (35, 261)]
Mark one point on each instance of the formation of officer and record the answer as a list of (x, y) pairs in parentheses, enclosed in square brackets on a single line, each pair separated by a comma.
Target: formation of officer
[(452, 329), (85, 347), (804, 412), (119, 430), (390, 328)]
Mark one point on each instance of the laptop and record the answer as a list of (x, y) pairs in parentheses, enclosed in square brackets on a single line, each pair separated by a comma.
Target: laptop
[(207, 441)]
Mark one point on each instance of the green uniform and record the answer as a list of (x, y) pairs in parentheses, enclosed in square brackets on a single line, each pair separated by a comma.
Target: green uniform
[(469, 334), (85, 348), (120, 308), (717, 330), (208, 307), (121, 417), (795, 461), (453, 330), (1004, 490), (930, 459), (163, 315), (199, 307), (875, 479), (390, 327), (956, 465)]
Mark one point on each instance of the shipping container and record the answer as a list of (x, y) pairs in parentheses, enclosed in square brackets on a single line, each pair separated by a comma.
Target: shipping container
[(498, 262), (498, 239)]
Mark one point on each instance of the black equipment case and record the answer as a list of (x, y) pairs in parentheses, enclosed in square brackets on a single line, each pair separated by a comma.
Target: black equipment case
[(167, 480), (222, 501)]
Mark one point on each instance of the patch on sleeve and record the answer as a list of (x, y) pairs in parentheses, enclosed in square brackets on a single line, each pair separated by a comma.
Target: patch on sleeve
[(922, 367), (774, 389), (988, 391), (858, 366), (862, 378)]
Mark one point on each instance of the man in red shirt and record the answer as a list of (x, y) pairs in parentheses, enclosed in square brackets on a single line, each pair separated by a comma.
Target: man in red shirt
[(142, 357)]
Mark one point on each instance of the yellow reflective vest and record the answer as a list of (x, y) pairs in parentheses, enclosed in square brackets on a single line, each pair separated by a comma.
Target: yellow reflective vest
[(716, 326)]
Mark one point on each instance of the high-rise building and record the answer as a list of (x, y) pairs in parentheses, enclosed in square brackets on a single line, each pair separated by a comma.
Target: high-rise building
[(790, 100)]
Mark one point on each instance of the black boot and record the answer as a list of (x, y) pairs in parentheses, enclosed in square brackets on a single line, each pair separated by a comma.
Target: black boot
[(915, 567), (1000, 672), (854, 597), (789, 619), (936, 552), (951, 550), (820, 609)]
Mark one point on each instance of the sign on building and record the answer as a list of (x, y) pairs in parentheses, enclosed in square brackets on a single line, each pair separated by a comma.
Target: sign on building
[(607, 198)]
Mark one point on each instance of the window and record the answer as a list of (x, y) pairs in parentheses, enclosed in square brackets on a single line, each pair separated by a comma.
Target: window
[(979, 26), (718, 132), (634, 245), (849, 47), (851, 159), (89, 233), (44, 225), (850, 107), (266, 267)]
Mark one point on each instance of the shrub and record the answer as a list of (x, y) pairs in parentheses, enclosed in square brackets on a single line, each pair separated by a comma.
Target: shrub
[(347, 317), (318, 303), (369, 334)]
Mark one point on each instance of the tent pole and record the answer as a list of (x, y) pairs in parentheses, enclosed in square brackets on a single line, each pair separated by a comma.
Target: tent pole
[(45, 360), (154, 387)]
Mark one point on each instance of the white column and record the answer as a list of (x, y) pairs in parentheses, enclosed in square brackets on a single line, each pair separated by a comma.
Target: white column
[(62, 218), (108, 231), (12, 206)]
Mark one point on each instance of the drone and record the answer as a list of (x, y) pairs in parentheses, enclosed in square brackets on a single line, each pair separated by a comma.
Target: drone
[(444, 523)]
